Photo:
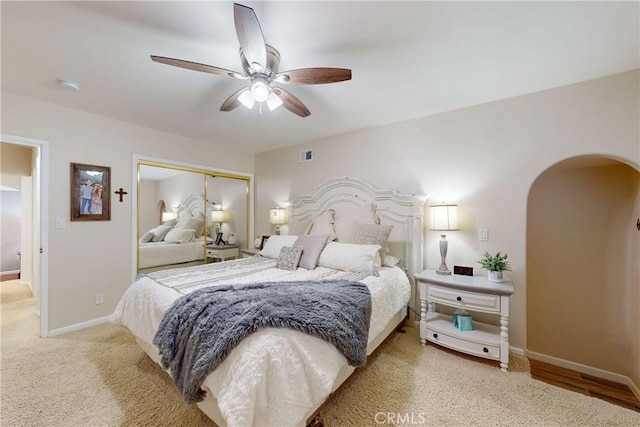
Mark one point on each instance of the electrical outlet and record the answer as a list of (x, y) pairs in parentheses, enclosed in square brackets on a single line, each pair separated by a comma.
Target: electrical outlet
[(483, 235), (99, 298)]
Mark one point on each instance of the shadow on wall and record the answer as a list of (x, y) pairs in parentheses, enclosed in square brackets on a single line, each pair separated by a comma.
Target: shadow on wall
[(583, 268)]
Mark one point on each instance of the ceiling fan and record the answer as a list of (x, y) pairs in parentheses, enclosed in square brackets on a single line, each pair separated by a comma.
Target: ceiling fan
[(260, 65)]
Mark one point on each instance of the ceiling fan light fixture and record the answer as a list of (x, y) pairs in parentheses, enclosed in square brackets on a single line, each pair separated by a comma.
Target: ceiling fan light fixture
[(260, 90), (273, 101), (246, 99)]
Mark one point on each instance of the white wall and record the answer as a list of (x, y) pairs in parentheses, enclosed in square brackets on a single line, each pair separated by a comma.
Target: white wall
[(483, 158), (88, 257)]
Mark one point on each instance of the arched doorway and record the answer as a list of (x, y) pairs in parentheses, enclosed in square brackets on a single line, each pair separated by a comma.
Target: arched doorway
[(583, 268)]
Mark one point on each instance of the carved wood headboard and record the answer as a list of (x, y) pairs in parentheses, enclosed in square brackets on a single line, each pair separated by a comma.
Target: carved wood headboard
[(347, 194)]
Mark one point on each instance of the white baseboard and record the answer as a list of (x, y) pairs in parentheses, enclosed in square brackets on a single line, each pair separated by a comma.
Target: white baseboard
[(516, 350), (589, 370), (78, 326)]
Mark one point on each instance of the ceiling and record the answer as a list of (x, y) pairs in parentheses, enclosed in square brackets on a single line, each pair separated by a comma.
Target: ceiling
[(409, 59)]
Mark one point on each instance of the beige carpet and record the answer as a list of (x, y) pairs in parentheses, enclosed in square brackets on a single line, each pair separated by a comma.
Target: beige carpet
[(100, 377)]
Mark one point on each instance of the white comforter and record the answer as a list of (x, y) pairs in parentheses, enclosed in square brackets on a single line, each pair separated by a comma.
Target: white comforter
[(165, 253), (275, 376)]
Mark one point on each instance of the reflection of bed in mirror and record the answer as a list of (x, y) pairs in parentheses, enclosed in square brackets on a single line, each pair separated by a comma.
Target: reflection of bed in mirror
[(179, 241), (167, 192)]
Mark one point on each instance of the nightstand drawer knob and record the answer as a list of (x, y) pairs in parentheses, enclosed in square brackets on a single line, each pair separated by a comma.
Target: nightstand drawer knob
[(435, 336), (459, 299), (485, 349)]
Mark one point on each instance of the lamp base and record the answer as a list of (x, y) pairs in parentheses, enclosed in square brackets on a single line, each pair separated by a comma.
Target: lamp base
[(443, 270), (443, 256)]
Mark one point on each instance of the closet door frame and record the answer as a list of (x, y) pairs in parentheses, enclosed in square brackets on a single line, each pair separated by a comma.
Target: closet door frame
[(138, 160)]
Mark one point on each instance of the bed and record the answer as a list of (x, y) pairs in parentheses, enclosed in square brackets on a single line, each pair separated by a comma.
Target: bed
[(178, 242), (281, 376)]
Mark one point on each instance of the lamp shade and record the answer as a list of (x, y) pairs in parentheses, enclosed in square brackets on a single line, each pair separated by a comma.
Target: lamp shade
[(168, 216), (217, 216), (277, 216), (443, 217)]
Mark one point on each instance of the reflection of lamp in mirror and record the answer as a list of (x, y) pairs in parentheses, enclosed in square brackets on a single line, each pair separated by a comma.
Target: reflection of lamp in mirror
[(443, 218), (218, 218), (168, 216), (277, 217)]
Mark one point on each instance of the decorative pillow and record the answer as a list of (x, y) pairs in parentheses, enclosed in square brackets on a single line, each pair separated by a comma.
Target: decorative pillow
[(146, 237), (371, 234), (298, 228), (180, 235), (289, 257), (366, 214), (390, 261), (195, 224), (276, 242), (312, 246), (323, 224), (159, 232), (170, 222), (350, 257)]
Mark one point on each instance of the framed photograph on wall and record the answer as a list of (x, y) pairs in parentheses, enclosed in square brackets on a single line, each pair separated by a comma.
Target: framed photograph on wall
[(90, 192)]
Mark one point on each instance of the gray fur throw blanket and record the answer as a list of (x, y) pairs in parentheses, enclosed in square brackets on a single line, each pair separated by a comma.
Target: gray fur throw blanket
[(200, 329)]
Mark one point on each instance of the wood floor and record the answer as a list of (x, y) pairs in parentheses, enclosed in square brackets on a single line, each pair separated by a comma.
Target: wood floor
[(616, 393)]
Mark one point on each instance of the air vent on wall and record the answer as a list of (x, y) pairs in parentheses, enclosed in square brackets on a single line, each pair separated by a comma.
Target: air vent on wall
[(305, 156)]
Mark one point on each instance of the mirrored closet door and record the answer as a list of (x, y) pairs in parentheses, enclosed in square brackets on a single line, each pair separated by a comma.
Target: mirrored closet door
[(188, 216)]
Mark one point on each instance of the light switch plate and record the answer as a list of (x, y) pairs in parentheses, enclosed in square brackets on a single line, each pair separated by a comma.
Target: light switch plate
[(60, 223), (483, 235)]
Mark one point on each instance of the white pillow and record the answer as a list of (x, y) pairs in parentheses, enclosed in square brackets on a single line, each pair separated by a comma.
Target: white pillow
[(323, 224), (146, 237), (275, 243), (195, 224), (390, 261), (180, 235), (371, 234), (350, 257), (159, 232), (170, 222), (366, 214)]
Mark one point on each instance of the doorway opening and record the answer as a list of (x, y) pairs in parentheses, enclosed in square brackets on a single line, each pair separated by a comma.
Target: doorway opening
[(583, 268), (33, 238)]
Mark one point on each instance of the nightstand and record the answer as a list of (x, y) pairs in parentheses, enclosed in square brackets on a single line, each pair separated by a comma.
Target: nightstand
[(249, 252), (222, 252), (473, 294)]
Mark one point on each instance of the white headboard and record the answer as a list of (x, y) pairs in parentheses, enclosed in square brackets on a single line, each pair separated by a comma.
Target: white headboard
[(194, 204), (346, 194)]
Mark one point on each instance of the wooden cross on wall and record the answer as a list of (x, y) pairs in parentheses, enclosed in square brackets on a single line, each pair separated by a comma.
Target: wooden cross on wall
[(121, 193)]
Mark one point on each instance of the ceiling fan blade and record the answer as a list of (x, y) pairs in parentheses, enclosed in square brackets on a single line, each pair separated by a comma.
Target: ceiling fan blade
[(250, 35), (292, 103), (232, 102), (314, 76), (196, 66)]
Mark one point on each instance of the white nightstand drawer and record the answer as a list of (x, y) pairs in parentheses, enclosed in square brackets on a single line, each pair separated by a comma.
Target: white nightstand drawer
[(463, 299), (487, 350)]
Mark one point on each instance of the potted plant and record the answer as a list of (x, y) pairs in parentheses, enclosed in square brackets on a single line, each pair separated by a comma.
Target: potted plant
[(495, 265)]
